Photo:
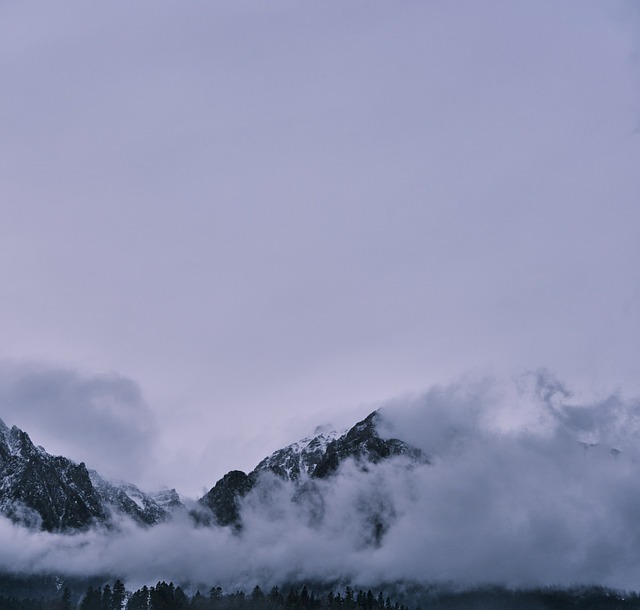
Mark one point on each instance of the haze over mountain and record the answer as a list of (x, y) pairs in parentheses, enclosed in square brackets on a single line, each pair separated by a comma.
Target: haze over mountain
[(515, 483), (56, 495)]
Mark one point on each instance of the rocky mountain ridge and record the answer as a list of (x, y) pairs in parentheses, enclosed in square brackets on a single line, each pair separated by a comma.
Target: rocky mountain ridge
[(55, 494), (311, 459)]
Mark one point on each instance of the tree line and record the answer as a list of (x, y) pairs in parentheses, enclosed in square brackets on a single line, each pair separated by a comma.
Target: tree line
[(167, 596)]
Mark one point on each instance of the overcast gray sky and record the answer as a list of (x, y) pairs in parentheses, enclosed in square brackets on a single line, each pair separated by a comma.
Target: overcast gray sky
[(223, 223)]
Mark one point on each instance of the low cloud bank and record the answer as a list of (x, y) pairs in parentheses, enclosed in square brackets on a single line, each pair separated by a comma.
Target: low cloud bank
[(102, 420), (517, 493)]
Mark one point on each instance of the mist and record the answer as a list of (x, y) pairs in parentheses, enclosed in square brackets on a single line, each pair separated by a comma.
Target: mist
[(526, 485), (100, 419)]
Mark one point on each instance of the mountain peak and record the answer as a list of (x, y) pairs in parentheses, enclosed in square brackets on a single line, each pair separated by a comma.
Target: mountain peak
[(314, 457), (364, 444), (56, 494), (223, 499), (41, 490), (298, 460)]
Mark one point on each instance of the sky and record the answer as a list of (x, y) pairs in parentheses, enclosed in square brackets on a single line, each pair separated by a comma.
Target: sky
[(224, 223)]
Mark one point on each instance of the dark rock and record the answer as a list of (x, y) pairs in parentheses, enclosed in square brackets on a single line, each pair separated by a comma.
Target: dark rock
[(57, 495), (224, 498), (364, 444), (34, 483), (317, 457)]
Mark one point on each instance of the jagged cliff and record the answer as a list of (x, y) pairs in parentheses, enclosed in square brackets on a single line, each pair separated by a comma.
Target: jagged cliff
[(313, 458), (57, 495)]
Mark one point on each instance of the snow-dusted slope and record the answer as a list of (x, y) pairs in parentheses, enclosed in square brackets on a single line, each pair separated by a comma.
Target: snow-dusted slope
[(56, 494), (123, 498), (41, 490), (167, 499), (299, 460), (313, 458)]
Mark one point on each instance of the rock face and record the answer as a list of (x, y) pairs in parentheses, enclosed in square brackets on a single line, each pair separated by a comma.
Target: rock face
[(168, 499), (223, 499), (38, 489), (57, 495), (311, 459), (121, 498), (295, 462), (365, 446), (298, 460)]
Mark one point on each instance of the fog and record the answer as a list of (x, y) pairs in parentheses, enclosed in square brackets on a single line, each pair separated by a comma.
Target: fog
[(526, 485), (100, 419)]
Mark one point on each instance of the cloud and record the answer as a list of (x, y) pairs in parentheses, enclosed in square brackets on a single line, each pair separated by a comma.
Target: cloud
[(502, 502), (102, 420)]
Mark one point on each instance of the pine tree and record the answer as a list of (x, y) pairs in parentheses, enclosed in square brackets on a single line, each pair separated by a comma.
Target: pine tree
[(257, 595), (349, 603), (275, 597), (139, 600), (304, 598), (162, 596), (65, 602), (107, 598), (330, 599), (92, 599), (370, 600), (198, 602), (119, 596), (215, 596), (180, 600)]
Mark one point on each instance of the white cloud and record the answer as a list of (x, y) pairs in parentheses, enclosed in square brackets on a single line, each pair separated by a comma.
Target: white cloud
[(519, 506)]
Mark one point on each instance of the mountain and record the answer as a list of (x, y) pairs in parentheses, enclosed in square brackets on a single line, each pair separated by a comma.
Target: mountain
[(312, 459), (365, 446), (122, 498), (38, 489), (299, 460), (295, 463), (55, 494)]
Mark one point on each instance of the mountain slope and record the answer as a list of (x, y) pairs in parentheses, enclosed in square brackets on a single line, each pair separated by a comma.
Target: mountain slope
[(311, 459), (41, 490), (364, 445), (57, 495), (298, 460)]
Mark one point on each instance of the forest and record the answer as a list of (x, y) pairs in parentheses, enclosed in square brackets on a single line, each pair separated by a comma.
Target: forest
[(167, 596)]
